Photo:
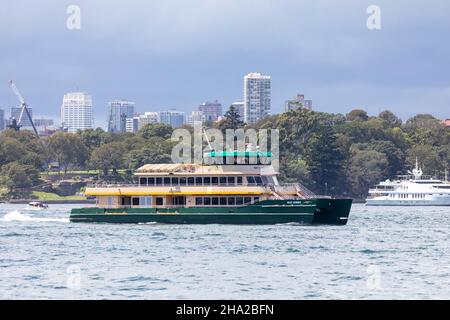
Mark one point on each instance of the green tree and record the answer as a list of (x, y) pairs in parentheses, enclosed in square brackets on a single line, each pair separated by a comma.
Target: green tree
[(357, 115), (108, 156), (67, 149), (155, 130), (231, 120), (18, 179)]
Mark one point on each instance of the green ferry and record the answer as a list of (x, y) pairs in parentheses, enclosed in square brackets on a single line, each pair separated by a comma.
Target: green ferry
[(238, 193)]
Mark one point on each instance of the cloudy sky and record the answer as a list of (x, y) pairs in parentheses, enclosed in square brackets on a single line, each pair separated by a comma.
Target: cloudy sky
[(179, 53)]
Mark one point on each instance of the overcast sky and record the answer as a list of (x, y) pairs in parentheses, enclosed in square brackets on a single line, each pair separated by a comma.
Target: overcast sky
[(180, 53)]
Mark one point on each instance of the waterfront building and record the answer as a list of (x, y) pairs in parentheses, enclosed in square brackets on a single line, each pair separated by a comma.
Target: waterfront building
[(76, 112), (2, 119), (118, 112), (211, 110), (299, 102), (15, 113), (195, 117), (172, 118), (257, 98)]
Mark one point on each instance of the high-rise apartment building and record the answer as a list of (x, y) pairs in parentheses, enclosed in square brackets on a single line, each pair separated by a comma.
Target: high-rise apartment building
[(239, 107), (172, 118), (299, 102), (195, 117), (257, 98), (76, 112), (211, 110), (118, 112)]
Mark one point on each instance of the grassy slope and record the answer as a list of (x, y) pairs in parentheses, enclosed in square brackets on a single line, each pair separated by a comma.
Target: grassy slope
[(45, 196)]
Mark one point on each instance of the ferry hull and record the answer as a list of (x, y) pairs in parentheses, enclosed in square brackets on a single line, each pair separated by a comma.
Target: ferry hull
[(311, 211)]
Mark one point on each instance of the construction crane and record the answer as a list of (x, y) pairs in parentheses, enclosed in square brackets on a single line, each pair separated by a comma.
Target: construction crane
[(17, 123)]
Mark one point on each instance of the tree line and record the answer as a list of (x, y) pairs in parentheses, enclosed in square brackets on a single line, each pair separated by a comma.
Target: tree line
[(334, 154)]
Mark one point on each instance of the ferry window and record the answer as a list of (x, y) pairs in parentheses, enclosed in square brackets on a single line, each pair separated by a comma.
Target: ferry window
[(135, 201), (223, 201), (250, 180), (239, 201), (191, 181), (159, 201), (143, 181), (223, 180), (258, 181), (206, 181), (199, 181), (198, 201), (158, 181), (239, 180), (231, 201), (231, 180), (110, 201), (167, 181), (215, 201), (255, 199), (151, 181), (215, 180), (146, 201), (207, 201), (174, 181), (265, 180), (182, 181), (247, 200)]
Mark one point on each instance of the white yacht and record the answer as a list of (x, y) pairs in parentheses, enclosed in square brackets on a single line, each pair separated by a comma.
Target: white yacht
[(410, 190)]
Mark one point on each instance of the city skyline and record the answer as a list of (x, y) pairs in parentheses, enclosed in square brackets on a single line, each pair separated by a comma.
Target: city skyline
[(329, 55)]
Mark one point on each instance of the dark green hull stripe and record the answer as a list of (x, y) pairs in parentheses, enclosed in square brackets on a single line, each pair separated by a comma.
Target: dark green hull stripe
[(312, 211)]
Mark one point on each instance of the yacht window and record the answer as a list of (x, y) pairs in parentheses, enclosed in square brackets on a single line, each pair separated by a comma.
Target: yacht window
[(174, 181), (250, 180), (191, 181), (167, 181), (239, 201), (223, 201), (215, 201), (230, 180), (223, 180), (183, 181), (198, 181), (258, 180), (207, 201), (207, 181), (239, 180), (158, 181), (215, 180), (231, 201), (143, 181), (198, 201)]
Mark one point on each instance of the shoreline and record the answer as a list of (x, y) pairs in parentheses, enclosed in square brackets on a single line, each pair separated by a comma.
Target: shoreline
[(87, 201)]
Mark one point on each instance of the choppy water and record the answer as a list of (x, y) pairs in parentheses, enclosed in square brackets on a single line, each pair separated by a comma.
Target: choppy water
[(382, 253)]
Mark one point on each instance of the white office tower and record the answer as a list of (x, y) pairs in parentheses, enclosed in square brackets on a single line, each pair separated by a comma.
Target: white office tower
[(256, 97), (146, 118), (172, 118), (211, 110), (196, 117), (76, 112), (239, 108), (132, 125), (118, 112)]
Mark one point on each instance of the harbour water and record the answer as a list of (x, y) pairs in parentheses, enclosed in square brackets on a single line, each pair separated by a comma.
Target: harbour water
[(383, 253)]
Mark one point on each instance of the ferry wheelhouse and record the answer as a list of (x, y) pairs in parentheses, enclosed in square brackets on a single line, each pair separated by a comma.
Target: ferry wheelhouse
[(201, 193)]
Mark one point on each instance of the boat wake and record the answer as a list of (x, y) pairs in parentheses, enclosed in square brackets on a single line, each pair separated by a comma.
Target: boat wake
[(17, 216)]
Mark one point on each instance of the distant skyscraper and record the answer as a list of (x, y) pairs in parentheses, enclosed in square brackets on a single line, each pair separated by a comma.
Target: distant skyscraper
[(172, 118), (195, 117), (76, 112), (239, 107), (256, 97), (118, 112), (2, 119), (211, 110), (298, 102), (132, 124), (43, 122), (146, 118), (15, 113)]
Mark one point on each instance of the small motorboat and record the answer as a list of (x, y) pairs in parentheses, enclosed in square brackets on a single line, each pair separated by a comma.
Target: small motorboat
[(37, 204)]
